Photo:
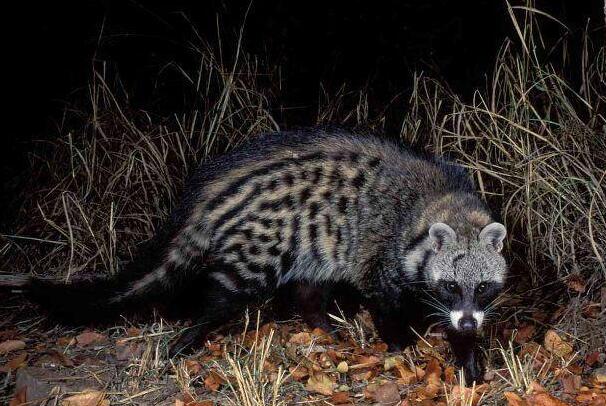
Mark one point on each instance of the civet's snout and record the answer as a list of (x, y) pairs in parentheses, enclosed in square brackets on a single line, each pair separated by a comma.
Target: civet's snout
[(466, 322)]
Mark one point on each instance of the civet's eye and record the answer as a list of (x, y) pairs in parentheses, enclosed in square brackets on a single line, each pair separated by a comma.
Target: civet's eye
[(451, 287), (481, 287)]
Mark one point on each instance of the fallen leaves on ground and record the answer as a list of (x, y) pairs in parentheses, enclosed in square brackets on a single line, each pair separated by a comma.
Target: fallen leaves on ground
[(576, 283), (192, 367), (213, 381), (556, 345), (537, 396), (10, 346), (331, 368), (15, 362), (544, 399), (387, 394), (320, 383), (340, 398), (599, 376), (19, 398), (188, 400), (513, 399), (302, 338), (524, 333), (464, 396), (87, 398), (89, 338), (571, 383)]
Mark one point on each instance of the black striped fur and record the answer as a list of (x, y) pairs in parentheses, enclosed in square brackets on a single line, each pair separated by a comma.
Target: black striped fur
[(314, 210)]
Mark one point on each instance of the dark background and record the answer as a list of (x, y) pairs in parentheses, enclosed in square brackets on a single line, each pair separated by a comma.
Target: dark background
[(48, 49)]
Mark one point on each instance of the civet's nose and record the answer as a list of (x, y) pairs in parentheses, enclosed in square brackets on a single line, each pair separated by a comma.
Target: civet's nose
[(467, 323)]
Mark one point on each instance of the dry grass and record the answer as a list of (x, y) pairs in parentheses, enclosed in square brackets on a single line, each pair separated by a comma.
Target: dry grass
[(461, 395), (520, 372), (537, 149), (535, 144), (106, 183), (352, 328), (249, 381)]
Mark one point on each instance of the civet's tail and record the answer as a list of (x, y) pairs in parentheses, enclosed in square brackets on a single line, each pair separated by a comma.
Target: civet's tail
[(102, 298)]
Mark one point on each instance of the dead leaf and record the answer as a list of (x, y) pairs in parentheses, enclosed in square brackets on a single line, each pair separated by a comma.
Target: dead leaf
[(592, 358), (16, 362), (536, 387), (86, 398), (340, 398), (11, 345), (90, 337), (462, 395), (575, 368), (433, 372), (380, 347), (60, 358), (320, 383), (126, 351), (575, 282), (584, 397), (540, 356), (556, 345), (188, 400), (524, 334), (65, 341), (544, 399), (513, 399), (269, 366), (405, 375), (599, 376), (366, 362), (19, 398), (570, 383), (592, 398), (364, 375), (450, 375), (192, 367), (369, 391), (298, 373), (429, 391), (302, 338), (335, 356), (213, 381), (592, 310), (321, 336), (387, 394)]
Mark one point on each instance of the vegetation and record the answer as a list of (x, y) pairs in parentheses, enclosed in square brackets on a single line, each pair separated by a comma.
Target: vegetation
[(534, 142)]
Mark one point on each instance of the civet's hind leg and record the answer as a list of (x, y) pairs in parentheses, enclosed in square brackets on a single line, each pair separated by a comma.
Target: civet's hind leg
[(218, 306)]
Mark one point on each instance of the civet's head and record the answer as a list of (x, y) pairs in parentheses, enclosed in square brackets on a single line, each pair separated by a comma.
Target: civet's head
[(466, 273)]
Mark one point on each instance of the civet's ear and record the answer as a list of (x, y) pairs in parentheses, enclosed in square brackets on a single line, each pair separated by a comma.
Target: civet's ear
[(493, 235), (441, 234)]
